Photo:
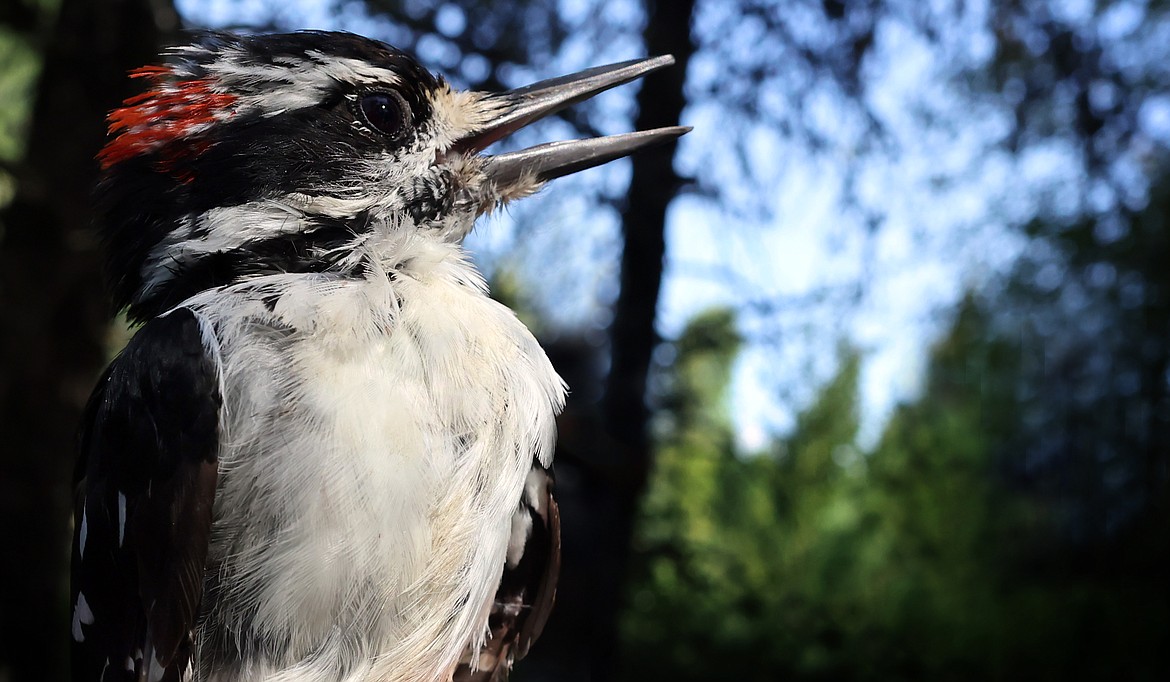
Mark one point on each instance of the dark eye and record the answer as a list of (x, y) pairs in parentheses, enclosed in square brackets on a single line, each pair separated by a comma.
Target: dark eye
[(385, 112)]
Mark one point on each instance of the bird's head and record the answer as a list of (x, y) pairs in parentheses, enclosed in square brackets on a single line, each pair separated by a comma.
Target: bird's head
[(250, 155)]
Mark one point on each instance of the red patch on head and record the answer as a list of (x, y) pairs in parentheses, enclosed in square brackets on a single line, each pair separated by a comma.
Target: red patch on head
[(162, 116)]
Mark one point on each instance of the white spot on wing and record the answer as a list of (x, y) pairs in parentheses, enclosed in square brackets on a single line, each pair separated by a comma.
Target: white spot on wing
[(121, 517), (521, 529), (82, 615), (536, 489), (83, 533), (156, 670), (129, 664)]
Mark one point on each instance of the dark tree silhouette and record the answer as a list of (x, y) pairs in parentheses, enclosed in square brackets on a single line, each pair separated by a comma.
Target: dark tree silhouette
[(53, 312)]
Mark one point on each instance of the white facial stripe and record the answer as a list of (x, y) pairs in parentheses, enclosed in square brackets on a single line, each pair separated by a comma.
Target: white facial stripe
[(338, 206), (354, 70), (292, 83), (227, 228)]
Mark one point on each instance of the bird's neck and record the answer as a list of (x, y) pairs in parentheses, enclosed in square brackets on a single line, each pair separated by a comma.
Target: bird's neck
[(228, 246)]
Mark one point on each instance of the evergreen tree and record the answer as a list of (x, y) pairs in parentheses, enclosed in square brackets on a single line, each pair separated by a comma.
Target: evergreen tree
[(922, 560)]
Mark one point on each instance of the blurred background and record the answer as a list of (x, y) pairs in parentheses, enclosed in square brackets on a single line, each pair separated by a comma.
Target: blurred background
[(871, 375)]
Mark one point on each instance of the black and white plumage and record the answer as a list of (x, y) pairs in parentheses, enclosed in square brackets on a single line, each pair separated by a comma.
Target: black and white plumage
[(325, 454)]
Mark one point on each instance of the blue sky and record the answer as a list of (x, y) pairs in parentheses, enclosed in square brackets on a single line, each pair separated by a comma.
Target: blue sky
[(945, 196)]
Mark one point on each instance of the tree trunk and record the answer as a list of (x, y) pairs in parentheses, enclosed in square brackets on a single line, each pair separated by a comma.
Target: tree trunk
[(604, 452), (53, 315)]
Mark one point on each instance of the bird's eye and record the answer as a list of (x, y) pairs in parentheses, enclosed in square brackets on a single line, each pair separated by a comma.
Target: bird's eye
[(384, 112)]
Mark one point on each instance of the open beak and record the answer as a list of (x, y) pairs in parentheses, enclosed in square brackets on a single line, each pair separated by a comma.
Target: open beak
[(556, 159)]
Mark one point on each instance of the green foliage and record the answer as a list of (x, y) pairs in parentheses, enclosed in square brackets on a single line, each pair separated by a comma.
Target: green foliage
[(19, 67), (919, 560), (22, 27), (724, 589)]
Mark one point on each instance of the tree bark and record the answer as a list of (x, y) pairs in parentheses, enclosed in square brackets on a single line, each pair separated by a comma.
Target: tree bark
[(653, 185), (604, 452), (53, 315)]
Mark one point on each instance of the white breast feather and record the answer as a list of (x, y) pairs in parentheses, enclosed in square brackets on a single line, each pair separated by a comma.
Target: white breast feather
[(378, 436)]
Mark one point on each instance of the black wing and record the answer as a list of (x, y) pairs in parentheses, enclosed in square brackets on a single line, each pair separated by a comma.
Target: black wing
[(146, 481), (528, 586)]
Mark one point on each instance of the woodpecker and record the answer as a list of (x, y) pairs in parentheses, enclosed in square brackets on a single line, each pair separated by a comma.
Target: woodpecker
[(324, 454)]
